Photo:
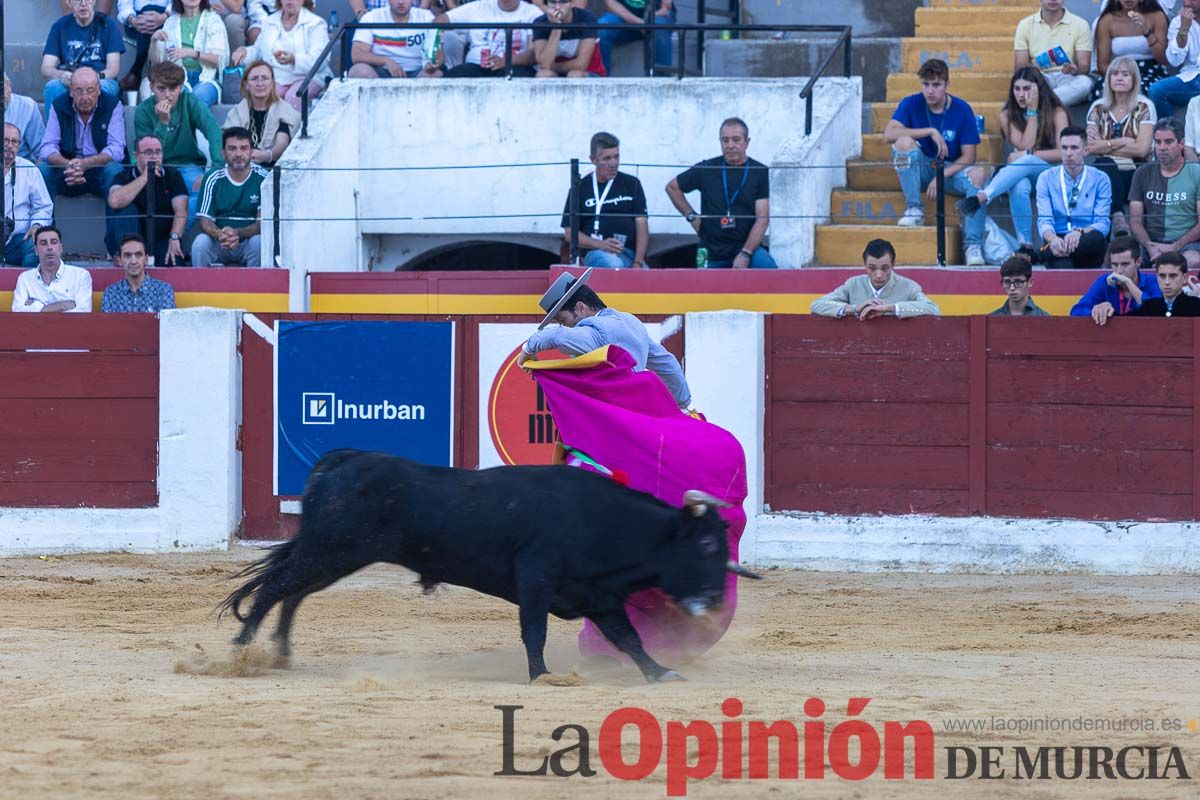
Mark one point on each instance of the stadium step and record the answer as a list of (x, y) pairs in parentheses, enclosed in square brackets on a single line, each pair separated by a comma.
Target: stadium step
[(990, 150), (854, 207), (983, 5), (974, 87), (952, 21), (842, 245), (962, 53), (882, 112)]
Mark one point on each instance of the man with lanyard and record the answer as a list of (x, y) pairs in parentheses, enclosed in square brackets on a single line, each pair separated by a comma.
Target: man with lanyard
[(614, 231), (933, 126), (735, 206), (585, 324), (1073, 205), (27, 204), (1122, 291), (1172, 270)]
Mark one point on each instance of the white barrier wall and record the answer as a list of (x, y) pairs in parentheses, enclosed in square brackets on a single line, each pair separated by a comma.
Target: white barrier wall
[(665, 125), (199, 468)]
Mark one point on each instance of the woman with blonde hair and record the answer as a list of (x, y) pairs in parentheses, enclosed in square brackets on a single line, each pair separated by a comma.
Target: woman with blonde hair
[(269, 120), (1031, 119), (290, 41), (1120, 131), (194, 37)]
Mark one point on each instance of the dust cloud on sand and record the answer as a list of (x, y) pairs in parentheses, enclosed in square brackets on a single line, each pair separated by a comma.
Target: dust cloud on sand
[(117, 681)]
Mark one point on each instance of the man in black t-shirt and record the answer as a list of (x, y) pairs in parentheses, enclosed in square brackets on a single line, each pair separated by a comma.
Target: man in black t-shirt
[(569, 53), (128, 209), (613, 227), (734, 202)]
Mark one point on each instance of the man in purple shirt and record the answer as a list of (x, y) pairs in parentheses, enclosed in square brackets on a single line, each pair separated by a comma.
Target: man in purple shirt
[(84, 143)]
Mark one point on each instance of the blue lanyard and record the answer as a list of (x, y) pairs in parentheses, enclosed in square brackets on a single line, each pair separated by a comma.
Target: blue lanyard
[(729, 201)]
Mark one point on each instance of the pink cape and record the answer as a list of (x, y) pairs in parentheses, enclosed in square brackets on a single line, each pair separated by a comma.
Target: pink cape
[(628, 421)]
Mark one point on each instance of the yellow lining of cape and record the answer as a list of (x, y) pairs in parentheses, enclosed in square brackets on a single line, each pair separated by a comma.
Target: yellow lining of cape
[(589, 359)]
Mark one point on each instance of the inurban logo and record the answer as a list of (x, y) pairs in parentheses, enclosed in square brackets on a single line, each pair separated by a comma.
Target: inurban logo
[(323, 408), (317, 408)]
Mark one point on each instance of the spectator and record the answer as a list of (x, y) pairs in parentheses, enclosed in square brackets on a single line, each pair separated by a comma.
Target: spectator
[(102, 6), (269, 119), (633, 12), (1164, 198), (930, 126), (52, 286), (137, 291), (1074, 202), (142, 19), (257, 12), (85, 139), (233, 15), (1134, 29), (1016, 276), (1123, 290), (1171, 269), (1039, 37), (128, 208), (194, 37), (81, 39), (290, 40), (229, 208), (23, 112), (571, 53), (391, 53), (585, 323), (1120, 126), (27, 205), (613, 227), (175, 117), (361, 7), (880, 292), (1184, 54), (1030, 120), (485, 49), (735, 209)]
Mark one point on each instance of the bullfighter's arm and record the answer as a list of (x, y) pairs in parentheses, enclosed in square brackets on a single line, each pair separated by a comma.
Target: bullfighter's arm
[(663, 364), (572, 341)]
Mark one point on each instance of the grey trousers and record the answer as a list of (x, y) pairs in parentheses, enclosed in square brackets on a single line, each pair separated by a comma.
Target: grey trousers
[(206, 252)]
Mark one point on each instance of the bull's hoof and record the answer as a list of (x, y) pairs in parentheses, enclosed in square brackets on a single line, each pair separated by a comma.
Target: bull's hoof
[(667, 676), (550, 679)]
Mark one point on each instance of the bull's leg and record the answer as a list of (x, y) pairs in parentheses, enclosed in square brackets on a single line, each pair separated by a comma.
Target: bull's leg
[(617, 628), (533, 598), (297, 577)]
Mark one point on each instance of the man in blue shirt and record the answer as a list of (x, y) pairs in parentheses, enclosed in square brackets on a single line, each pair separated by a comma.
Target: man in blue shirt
[(1123, 290), (1073, 206), (137, 291), (933, 126), (83, 39)]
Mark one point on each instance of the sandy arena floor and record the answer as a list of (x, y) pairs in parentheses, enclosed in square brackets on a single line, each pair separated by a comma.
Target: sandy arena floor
[(391, 693)]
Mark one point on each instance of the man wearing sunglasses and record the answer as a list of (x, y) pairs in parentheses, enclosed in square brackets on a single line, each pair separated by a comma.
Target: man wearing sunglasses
[(1073, 203), (1016, 276)]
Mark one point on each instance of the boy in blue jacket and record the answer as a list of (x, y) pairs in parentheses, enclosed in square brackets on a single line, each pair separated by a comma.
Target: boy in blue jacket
[(1122, 291)]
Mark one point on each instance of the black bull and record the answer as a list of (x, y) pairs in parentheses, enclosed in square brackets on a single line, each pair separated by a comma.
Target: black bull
[(551, 539)]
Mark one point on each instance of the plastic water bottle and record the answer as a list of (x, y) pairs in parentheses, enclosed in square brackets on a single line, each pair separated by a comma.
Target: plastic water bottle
[(333, 23), (701, 258)]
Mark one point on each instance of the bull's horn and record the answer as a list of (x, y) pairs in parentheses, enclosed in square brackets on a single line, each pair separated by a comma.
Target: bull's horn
[(740, 571), (695, 497)]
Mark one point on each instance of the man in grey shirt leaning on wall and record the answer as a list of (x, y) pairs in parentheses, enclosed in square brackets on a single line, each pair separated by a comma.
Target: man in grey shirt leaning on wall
[(878, 293)]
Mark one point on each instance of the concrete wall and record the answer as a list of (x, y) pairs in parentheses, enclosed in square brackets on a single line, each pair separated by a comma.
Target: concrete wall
[(199, 468)]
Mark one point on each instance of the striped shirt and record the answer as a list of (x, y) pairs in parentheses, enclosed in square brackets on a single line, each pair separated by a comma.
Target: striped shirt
[(229, 203)]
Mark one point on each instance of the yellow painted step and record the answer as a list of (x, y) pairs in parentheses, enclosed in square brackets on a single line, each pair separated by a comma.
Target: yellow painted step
[(961, 53), (983, 4), (842, 245), (851, 207), (990, 149), (974, 87), (978, 21), (882, 112)]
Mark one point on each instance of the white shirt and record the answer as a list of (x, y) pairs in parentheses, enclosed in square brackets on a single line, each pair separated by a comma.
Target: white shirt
[(26, 199), (70, 283), (129, 8), (402, 45), (493, 40), (1188, 58)]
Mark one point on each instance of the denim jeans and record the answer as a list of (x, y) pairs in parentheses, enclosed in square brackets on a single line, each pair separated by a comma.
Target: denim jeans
[(605, 260), (191, 173), (56, 89), (203, 91), (96, 180), (612, 37), (1017, 181), (142, 40), (759, 259), (915, 170), (20, 252), (1172, 92)]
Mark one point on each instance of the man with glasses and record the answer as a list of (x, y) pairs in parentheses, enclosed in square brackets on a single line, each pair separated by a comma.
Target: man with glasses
[(1164, 198), (129, 209), (82, 39), (1121, 292), (84, 143), (27, 204), (1073, 203), (1016, 276)]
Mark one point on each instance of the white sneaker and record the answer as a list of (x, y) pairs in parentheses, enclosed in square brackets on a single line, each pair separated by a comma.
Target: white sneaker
[(975, 256), (913, 216)]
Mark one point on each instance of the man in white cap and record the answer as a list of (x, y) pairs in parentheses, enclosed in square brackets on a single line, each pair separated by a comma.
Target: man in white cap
[(585, 324)]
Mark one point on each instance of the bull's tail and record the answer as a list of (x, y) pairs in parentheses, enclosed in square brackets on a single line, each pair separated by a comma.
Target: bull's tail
[(258, 573)]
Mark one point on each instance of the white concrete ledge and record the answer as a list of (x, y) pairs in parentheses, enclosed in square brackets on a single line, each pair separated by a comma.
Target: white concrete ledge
[(974, 544)]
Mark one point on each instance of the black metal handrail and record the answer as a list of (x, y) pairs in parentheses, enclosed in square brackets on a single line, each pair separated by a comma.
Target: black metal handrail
[(843, 42)]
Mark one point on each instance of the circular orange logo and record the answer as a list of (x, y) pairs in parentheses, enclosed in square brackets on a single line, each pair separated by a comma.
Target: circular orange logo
[(518, 416)]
